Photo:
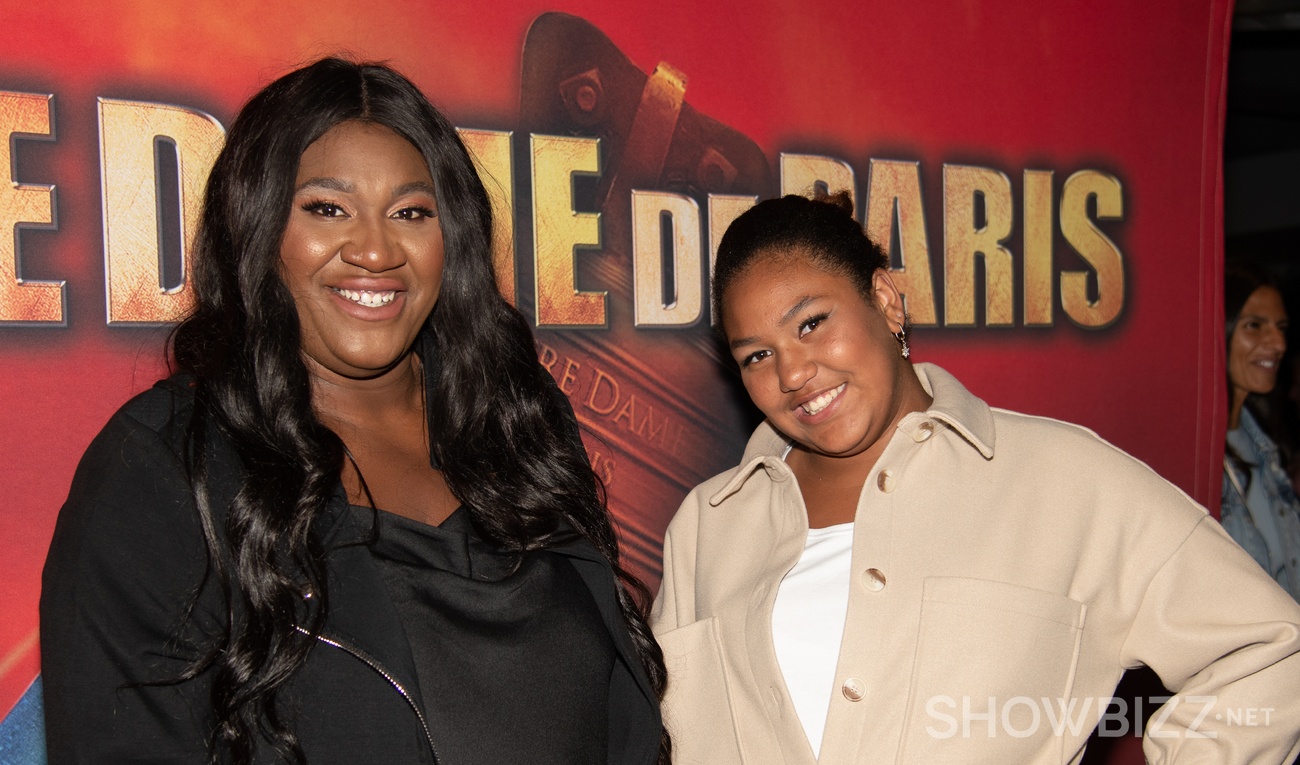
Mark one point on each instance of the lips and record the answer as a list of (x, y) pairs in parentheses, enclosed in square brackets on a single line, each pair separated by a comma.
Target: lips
[(821, 400), (367, 298)]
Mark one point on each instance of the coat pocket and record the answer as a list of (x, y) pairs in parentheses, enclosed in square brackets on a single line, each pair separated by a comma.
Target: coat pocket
[(993, 674), (697, 706)]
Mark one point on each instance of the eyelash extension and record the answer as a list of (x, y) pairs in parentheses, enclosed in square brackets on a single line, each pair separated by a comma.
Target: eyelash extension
[(426, 212), (315, 205)]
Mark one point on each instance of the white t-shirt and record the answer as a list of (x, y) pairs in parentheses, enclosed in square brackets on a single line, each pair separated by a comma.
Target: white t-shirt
[(808, 622)]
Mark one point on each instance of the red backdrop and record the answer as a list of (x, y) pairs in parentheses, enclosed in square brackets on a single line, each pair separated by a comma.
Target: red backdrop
[(1076, 146)]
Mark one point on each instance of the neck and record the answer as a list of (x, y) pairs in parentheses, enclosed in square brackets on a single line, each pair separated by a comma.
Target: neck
[(1235, 407), (842, 473), (344, 403)]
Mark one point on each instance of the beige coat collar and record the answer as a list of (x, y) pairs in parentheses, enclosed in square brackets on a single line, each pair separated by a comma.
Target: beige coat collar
[(953, 405)]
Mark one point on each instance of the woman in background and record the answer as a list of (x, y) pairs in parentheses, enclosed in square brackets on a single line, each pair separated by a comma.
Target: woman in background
[(1259, 507), (358, 525), (899, 573)]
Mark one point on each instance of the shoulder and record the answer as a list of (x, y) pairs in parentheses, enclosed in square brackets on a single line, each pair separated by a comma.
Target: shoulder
[(158, 417), (1052, 461), (128, 545), (1020, 430), (716, 499), (1074, 467), (145, 438), (131, 489), (1055, 440)]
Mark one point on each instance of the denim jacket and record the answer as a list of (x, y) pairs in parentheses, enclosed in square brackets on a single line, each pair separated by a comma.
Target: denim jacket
[(1259, 509)]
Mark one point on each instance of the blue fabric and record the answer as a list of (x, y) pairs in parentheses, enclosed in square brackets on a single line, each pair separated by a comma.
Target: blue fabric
[(22, 732), (1260, 509)]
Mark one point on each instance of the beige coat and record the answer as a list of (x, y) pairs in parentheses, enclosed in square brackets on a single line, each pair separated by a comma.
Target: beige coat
[(1002, 564)]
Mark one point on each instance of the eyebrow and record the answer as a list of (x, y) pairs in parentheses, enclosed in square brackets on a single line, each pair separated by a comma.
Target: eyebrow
[(413, 187), (334, 184), (798, 306)]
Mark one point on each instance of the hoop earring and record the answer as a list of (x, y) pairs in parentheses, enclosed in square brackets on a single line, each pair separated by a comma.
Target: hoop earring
[(901, 337)]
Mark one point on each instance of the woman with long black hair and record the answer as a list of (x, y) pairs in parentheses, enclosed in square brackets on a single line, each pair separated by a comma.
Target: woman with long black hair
[(1259, 507), (358, 523)]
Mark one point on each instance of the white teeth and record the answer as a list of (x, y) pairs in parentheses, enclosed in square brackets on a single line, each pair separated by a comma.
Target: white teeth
[(824, 400), (368, 298)]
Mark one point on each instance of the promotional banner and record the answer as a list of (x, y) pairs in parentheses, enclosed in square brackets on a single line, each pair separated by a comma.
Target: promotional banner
[(1046, 179)]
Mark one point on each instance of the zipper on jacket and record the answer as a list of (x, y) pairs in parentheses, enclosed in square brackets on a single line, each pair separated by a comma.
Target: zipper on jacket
[(391, 681)]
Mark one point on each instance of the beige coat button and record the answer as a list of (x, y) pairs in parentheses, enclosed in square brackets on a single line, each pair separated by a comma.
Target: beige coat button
[(874, 578), (924, 431), (854, 689), (885, 481)]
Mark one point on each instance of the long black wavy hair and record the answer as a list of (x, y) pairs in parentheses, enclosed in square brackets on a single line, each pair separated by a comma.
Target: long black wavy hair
[(499, 430)]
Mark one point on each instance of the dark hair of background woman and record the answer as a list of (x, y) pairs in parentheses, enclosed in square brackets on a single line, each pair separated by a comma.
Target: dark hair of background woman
[(821, 228), (498, 430), (1273, 411)]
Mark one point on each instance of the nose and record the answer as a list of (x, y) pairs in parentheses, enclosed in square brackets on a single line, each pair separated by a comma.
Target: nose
[(794, 370), (1276, 338), (370, 246)]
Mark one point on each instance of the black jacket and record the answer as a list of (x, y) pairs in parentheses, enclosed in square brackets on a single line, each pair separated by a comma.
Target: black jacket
[(125, 564)]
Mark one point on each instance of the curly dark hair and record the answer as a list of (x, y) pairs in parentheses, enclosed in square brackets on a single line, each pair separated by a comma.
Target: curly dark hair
[(500, 431)]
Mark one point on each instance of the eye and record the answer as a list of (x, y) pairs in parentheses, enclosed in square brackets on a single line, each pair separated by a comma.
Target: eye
[(415, 212), (811, 323), (323, 209), (753, 357)]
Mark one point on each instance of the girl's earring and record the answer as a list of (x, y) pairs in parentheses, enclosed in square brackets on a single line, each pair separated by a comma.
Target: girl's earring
[(901, 337)]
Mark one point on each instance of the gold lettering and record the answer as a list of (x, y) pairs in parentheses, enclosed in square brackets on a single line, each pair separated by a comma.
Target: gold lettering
[(595, 391), (571, 368), (894, 193), (558, 231), (723, 209), (964, 239), (627, 412), (802, 173), (548, 358), (492, 157), (602, 466), (1094, 247), (127, 131), (25, 205), (1038, 248), (647, 429), (651, 307)]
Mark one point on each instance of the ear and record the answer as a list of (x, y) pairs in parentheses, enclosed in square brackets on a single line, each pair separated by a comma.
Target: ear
[(887, 297)]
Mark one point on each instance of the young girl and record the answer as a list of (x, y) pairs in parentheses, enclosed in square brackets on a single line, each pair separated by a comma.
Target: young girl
[(898, 573)]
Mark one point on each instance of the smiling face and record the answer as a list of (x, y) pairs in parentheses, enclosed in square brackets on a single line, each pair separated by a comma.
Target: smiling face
[(817, 358), (362, 252), (1257, 345)]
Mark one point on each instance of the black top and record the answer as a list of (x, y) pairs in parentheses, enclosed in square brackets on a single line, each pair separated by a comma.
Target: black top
[(513, 663), (127, 601)]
